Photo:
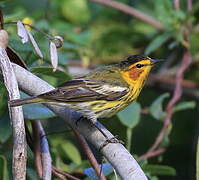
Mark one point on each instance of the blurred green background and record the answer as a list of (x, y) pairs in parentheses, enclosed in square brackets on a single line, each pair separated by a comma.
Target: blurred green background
[(95, 35)]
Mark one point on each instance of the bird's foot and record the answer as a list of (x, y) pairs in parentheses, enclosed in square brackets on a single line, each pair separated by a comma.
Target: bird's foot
[(79, 119), (111, 140)]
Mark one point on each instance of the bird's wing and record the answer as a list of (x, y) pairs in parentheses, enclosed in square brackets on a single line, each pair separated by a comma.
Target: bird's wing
[(81, 90)]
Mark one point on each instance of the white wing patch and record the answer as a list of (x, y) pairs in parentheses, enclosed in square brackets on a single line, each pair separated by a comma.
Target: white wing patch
[(106, 89), (113, 88)]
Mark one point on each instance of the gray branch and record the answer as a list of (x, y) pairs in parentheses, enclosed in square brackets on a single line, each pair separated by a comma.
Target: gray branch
[(45, 154), (116, 154), (16, 113)]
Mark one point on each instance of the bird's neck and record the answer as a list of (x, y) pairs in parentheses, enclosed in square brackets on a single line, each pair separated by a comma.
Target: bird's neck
[(135, 85), (133, 78)]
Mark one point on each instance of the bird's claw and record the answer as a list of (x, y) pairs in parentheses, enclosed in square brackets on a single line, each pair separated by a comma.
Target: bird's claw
[(111, 140), (79, 119)]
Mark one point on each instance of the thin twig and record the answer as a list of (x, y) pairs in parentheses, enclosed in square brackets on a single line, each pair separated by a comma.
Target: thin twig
[(89, 155), (59, 39), (45, 154), (58, 175), (133, 12), (33, 27), (16, 114), (42, 152), (37, 148), (186, 62), (189, 5), (175, 98), (171, 80), (176, 4), (65, 174), (152, 154)]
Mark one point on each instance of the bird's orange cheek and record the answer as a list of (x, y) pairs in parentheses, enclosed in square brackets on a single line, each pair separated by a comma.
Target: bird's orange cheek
[(135, 74)]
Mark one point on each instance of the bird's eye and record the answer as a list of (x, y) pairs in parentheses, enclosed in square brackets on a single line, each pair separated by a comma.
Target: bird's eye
[(139, 65)]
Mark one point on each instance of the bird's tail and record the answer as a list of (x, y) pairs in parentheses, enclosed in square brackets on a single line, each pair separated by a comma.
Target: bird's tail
[(29, 100)]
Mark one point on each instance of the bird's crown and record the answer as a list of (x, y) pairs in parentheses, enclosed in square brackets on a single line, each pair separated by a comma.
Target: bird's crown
[(133, 59)]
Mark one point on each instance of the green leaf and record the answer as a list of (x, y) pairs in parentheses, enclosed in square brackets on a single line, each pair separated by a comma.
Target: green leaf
[(32, 175), (5, 128), (154, 178), (48, 71), (197, 161), (156, 107), (164, 8), (130, 116), (59, 163), (70, 46), (151, 177), (3, 99), (3, 168), (159, 170), (157, 42), (181, 15), (76, 11), (71, 152), (184, 105)]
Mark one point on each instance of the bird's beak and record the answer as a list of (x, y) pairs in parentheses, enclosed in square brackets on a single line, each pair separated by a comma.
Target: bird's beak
[(155, 61)]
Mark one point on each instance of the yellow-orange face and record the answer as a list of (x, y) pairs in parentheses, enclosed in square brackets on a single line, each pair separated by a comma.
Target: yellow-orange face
[(137, 72)]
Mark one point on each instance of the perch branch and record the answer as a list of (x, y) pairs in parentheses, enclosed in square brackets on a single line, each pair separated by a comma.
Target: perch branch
[(116, 154), (16, 114)]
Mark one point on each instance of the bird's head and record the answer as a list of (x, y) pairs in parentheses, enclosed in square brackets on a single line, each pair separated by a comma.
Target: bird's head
[(135, 69)]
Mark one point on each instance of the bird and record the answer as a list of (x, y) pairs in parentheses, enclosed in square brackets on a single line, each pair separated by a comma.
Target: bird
[(101, 93)]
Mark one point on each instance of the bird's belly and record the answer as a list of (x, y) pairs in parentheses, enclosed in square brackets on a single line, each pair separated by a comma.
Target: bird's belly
[(109, 108), (96, 109)]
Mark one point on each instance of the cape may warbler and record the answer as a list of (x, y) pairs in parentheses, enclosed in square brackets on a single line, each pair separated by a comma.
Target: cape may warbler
[(101, 93)]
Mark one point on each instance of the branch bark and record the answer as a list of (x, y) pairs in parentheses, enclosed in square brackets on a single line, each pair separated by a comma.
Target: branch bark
[(117, 155), (16, 114), (133, 12), (42, 153)]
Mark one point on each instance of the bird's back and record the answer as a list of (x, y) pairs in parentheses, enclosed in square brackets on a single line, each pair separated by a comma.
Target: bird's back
[(95, 95)]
